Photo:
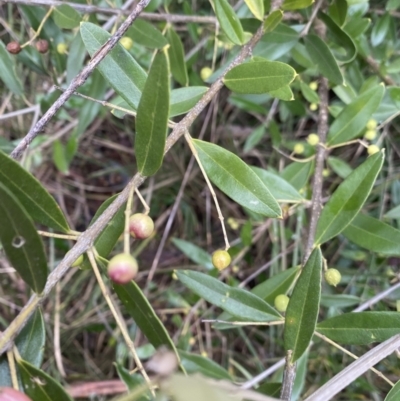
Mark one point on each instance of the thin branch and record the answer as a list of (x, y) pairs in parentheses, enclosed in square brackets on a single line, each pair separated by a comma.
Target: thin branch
[(79, 80)]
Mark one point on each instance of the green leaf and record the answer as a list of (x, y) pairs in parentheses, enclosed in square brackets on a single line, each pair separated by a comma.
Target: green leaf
[(38, 385), (60, 157), (66, 17), (152, 117), (76, 57), (198, 364), (361, 328), (177, 58), (280, 189), (21, 243), (380, 30), (194, 253), (119, 68), (394, 393), (297, 173), (302, 312), (106, 241), (393, 213), (339, 300), (341, 38), (40, 205), (352, 120), (229, 21), (145, 34), (338, 11), (374, 235), (296, 4), (339, 166), (140, 309), (322, 56), (240, 303), (133, 382), (256, 7), (236, 179), (348, 198), (272, 21), (285, 93), (7, 71), (184, 99), (310, 95), (259, 76)]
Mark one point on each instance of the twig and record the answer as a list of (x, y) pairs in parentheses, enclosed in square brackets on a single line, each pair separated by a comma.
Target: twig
[(79, 79)]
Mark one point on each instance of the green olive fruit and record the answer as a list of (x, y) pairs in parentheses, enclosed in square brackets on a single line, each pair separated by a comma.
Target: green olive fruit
[(333, 277), (221, 259), (141, 226), (281, 302), (122, 268), (126, 42)]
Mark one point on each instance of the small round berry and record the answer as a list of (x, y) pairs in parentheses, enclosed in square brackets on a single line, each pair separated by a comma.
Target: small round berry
[(298, 148), (281, 302), (326, 172), (205, 73), (126, 42), (313, 139), (313, 106), (61, 48), (333, 277), (372, 149), (313, 86), (78, 261), (141, 226), (370, 134), (122, 268), (10, 394), (221, 259), (13, 47), (42, 46), (371, 124), (233, 223)]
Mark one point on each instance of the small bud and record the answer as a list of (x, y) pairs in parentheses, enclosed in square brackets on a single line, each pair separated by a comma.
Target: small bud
[(9, 394), (313, 139), (122, 268), (126, 42), (370, 134), (205, 73), (141, 226), (313, 106), (42, 46), (61, 48), (372, 149), (371, 124), (326, 172), (333, 277), (281, 302), (221, 259), (298, 148), (313, 86), (13, 47)]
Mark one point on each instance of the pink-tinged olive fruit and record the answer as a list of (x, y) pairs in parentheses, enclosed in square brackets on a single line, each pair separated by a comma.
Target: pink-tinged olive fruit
[(10, 394), (122, 268), (13, 47), (333, 277), (221, 259), (281, 302), (78, 261), (141, 226), (42, 46)]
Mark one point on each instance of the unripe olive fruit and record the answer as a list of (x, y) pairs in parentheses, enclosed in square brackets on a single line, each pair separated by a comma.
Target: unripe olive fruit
[(126, 42), (61, 48), (205, 73), (281, 302), (42, 45), (221, 259), (10, 394), (78, 261), (371, 124), (372, 149), (13, 47), (141, 226), (122, 268), (370, 134), (313, 139), (313, 85), (298, 148), (333, 277), (313, 106)]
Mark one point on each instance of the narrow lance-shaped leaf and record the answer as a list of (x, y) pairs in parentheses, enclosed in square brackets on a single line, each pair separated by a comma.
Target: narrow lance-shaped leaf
[(236, 179), (177, 58), (21, 243), (40, 205), (394, 393), (302, 312), (38, 385), (272, 21), (183, 99), (7, 71), (194, 253), (374, 235), (296, 4), (351, 121), (322, 56), (152, 117), (361, 328), (66, 17), (119, 68), (259, 76), (256, 7), (229, 21), (145, 34), (348, 198), (240, 303)]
